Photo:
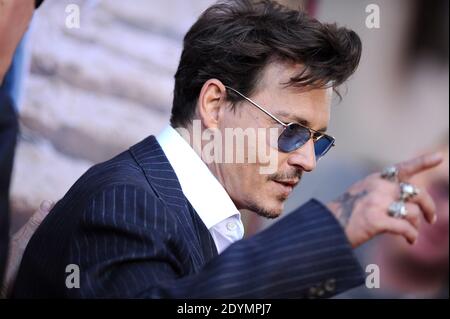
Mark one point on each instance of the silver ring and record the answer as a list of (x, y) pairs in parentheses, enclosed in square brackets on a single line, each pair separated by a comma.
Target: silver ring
[(398, 210), (390, 173), (408, 191)]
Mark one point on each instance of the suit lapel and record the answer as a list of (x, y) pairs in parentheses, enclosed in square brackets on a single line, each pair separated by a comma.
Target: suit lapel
[(163, 180), (158, 171)]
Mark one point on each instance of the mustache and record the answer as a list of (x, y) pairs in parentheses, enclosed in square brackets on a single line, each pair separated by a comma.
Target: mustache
[(289, 175)]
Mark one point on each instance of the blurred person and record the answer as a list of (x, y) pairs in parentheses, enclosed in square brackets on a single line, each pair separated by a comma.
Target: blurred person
[(15, 16), (160, 221)]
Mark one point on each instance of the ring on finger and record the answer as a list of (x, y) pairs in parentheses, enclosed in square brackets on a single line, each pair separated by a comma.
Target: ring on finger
[(390, 173), (408, 191), (398, 210)]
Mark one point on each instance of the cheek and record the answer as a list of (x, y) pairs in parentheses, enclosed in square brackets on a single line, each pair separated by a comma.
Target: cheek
[(265, 150)]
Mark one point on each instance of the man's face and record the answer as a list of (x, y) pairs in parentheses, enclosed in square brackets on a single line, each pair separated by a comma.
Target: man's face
[(265, 194)]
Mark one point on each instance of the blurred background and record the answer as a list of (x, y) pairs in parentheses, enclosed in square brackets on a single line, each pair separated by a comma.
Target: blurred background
[(91, 92)]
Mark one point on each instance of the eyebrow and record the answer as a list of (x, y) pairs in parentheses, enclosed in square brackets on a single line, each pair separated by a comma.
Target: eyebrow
[(299, 120)]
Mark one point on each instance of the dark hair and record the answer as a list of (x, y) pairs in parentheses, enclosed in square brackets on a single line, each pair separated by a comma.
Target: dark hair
[(233, 41)]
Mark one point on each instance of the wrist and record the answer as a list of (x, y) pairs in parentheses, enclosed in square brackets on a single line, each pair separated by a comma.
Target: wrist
[(333, 207)]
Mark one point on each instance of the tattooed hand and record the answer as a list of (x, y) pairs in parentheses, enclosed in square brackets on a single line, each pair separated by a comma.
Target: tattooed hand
[(362, 210)]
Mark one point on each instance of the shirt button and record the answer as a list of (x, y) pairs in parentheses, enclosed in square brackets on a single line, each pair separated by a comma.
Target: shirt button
[(231, 226)]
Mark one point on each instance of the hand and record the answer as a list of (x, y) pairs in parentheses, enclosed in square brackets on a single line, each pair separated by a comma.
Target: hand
[(18, 243), (362, 210)]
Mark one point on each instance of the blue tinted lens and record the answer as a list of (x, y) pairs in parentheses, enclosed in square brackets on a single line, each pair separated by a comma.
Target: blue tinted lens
[(293, 137), (322, 146)]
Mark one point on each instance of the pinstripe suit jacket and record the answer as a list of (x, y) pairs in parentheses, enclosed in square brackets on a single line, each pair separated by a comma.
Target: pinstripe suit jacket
[(133, 234)]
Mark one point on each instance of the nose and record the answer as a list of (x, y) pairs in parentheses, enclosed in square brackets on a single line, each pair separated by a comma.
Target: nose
[(304, 157)]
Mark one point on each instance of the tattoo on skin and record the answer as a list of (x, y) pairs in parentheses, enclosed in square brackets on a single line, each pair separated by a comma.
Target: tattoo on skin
[(346, 204)]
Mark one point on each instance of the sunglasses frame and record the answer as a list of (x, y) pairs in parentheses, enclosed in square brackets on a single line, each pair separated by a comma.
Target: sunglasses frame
[(286, 125)]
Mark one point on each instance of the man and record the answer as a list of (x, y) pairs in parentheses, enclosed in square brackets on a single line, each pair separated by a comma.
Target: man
[(162, 219), (15, 16)]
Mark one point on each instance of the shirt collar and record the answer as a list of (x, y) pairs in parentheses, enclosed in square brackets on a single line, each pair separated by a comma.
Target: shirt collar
[(205, 193)]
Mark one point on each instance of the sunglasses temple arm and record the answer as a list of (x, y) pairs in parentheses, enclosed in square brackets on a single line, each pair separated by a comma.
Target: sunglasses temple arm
[(256, 104)]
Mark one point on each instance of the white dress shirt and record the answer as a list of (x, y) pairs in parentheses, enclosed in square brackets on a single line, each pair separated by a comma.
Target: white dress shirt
[(205, 193)]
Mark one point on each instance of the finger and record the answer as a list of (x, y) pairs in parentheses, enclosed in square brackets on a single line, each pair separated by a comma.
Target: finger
[(40, 214), (46, 206), (427, 205), (414, 215), (419, 164), (401, 227)]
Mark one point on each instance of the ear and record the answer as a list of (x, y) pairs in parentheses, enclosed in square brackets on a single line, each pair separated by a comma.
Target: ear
[(210, 101)]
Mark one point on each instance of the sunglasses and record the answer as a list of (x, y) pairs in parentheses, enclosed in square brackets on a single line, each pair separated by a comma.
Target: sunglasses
[(295, 135)]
